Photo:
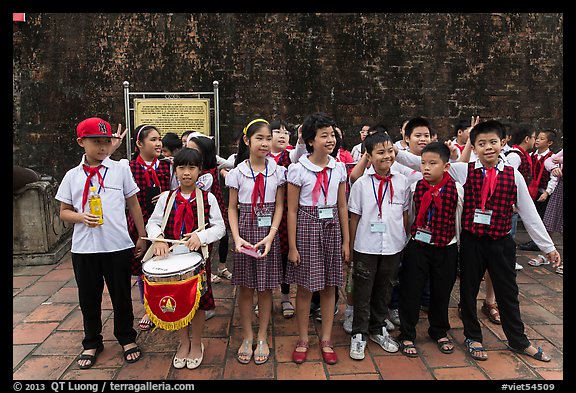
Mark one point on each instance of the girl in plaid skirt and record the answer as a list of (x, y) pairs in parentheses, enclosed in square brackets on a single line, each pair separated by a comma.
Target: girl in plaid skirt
[(152, 175), (318, 234), (256, 202)]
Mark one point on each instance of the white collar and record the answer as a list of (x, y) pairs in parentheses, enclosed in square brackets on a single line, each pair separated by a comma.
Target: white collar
[(244, 168), (107, 162), (306, 163), (499, 166), (372, 171), (542, 154)]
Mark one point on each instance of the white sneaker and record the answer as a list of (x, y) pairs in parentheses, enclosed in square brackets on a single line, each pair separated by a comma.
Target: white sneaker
[(389, 325), (394, 316), (385, 341), (357, 347), (518, 266), (347, 325)]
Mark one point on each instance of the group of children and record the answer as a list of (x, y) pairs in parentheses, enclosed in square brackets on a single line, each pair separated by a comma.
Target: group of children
[(295, 220)]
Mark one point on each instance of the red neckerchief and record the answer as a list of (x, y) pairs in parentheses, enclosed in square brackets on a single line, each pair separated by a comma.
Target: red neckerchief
[(488, 185), (91, 172), (383, 180), (149, 170), (321, 180), (184, 214), (258, 192), (432, 193)]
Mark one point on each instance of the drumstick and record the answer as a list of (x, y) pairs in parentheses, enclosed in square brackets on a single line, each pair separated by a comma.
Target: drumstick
[(160, 239)]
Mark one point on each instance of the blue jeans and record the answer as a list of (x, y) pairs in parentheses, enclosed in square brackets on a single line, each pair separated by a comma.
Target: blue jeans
[(514, 224)]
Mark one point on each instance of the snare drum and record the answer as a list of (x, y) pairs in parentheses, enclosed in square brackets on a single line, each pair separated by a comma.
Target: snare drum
[(173, 287), (175, 267)]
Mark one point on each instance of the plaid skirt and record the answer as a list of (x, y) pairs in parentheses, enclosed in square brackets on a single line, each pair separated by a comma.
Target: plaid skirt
[(256, 273), (554, 215), (319, 243)]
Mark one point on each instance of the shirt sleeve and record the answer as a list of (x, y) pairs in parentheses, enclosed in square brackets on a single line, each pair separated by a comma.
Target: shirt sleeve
[(530, 218), (407, 196), (342, 172), (408, 159), (297, 152), (205, 181), (231, 179), (514, 160), (552, 183), (281, 175), (130, 186), (293, 175), (64, 193), (355, 198)]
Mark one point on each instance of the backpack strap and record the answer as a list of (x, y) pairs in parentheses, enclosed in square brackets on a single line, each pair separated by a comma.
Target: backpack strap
[(150, 252), (201, 219)]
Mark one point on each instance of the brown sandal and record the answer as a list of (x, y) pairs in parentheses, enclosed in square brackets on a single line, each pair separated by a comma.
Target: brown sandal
[(492, 312)]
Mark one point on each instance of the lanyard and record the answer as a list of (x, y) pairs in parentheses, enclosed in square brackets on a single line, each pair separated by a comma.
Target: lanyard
[(325, 192), (379, 202), (190, 200), (265, 178), (103, 177)]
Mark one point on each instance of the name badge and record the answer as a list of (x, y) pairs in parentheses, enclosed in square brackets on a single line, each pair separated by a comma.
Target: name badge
[(325, 213), (264, 221), (379, 227), (423, 235), (482, 217)]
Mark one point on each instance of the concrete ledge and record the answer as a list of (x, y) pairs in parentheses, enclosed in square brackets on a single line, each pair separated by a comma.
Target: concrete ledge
[(48, 258)]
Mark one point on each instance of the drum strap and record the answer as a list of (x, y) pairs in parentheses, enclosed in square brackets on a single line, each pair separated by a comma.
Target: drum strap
[(201, 221), (150, 252)]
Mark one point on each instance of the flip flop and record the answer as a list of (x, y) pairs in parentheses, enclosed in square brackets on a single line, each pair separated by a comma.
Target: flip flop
[(145, 323), (243, 352), (404, 347), (260, 354)]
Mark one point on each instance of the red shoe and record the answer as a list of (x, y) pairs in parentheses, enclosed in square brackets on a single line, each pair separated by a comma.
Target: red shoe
[(298, 356), (329, 357)]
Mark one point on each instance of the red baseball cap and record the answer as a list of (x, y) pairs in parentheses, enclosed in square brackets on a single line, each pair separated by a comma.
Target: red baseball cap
[(94, 127)]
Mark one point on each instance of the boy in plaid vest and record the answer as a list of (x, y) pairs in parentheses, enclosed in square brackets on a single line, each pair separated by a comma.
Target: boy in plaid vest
[(491, 188), (432, 251)]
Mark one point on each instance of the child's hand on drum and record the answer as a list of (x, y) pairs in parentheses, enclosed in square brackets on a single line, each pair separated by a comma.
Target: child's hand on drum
[(194, 242), (161, 249)]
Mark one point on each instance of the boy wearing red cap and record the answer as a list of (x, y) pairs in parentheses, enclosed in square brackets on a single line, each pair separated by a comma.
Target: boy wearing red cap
[(101, 253)]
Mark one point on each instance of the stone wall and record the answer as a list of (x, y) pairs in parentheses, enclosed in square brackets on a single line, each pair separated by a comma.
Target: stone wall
[(356, 67)]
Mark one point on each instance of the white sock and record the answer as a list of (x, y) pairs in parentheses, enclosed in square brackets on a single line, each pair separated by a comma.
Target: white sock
[(285, 297), (349, 309)]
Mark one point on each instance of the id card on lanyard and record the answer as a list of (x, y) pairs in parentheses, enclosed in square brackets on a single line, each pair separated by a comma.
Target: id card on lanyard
[(326, 212), (483, 216), (263, 214)]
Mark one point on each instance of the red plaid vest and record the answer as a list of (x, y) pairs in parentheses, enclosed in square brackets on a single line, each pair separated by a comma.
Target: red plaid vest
[(217, 191), (284, 160), (524, 168), (500, 202), (538, 164), (163, 173), (443, 225)]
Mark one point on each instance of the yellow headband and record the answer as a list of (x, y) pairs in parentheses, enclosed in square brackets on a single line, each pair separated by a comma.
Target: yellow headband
[(252, 122)]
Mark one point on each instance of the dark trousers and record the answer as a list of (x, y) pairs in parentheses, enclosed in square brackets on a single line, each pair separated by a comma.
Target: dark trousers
[(541, 206), (91, 271), (373, 276), (223, 248), (395, 298), (285, 288), (423, 265), (478, 254)]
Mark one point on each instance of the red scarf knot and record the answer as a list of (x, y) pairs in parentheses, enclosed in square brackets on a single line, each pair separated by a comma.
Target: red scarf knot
[(258, 192), (149, 172), (184, 214), (92, 171), (321, 184), (431, 194)]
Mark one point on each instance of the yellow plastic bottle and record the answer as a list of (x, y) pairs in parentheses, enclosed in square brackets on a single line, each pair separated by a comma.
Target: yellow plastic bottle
[(95, 203)]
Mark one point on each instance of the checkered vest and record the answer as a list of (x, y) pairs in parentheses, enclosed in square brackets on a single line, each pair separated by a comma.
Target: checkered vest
[(169, 230), (163, 173), (537, 164), (500, 202), (524, 168), (443, 225)]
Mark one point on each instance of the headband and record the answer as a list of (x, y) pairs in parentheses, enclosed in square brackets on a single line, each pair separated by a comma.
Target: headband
[(252, 122), (197, 134), (143, 127)]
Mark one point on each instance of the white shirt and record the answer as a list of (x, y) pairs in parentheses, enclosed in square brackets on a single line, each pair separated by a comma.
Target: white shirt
[(362, 201), (216, 231), (356, 152), (241, 179), (226, 163), (298, 152), (303, 174), (524, 204), (119, 185), (399, 145)]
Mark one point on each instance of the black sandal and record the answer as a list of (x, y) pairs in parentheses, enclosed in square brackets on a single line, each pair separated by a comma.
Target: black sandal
[(472, 349), (538, 355), (130, 351), (91, 358), (442, 345), (404, 347)]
